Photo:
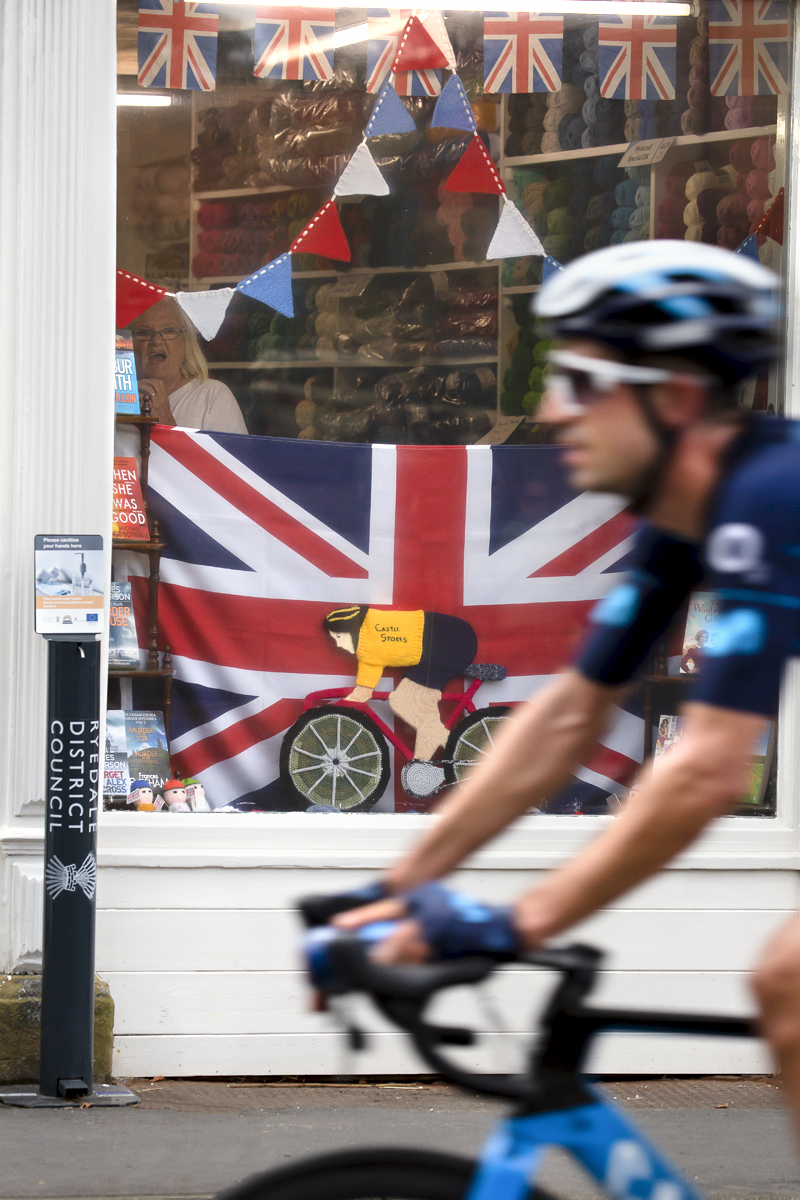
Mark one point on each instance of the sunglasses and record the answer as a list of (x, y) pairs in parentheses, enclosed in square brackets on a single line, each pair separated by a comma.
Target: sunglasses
[(578, 381)]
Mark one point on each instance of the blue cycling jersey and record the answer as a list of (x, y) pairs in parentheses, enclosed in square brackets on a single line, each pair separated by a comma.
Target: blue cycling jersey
[(750, 558)]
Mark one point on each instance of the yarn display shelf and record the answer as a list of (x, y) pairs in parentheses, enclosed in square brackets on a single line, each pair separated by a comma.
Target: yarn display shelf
[(202, 284), (521, 289), (236, 193), (684, 139), (269, 190), (355, 361)]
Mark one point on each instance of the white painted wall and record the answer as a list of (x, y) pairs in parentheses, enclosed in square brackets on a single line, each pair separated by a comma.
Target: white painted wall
[(198, 939), (195, 930), (57, 233)]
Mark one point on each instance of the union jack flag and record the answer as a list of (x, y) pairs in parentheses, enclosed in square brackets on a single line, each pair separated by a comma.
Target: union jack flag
[(294, 43), (385, 27), (178, 44), (637, 58), (265, 536), (522, 51), (748, 47)]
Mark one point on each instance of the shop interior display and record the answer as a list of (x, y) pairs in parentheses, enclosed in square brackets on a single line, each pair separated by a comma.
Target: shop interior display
[(414, 336), (159, 664)]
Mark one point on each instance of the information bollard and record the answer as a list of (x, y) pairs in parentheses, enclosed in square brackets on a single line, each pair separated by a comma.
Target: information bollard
[(74, 780)]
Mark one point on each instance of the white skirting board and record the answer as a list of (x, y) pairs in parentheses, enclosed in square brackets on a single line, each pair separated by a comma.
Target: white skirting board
[(389, 1054), (204, 968)]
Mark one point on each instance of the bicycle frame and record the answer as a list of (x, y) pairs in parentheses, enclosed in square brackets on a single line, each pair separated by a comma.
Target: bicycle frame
[(463, 706), (609, 1147), (555, 1106)]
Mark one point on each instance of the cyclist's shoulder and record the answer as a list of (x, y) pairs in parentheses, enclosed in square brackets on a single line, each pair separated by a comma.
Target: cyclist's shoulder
[(764, 469)]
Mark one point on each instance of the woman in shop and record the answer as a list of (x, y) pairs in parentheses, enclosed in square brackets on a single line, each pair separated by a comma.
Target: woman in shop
[(173, 373)]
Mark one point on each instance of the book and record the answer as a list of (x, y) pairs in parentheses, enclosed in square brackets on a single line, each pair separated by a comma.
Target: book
[(759, 765), (123, 645), (116, 780), (126, 385), (148, 753), (699, 633), (129, 519), (670, 729)]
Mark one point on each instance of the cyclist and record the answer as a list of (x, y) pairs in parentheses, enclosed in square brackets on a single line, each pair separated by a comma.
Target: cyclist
[(657, 339)]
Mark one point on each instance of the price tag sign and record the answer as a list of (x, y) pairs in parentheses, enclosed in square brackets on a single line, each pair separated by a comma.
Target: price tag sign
[(351, 287), (68, 585), (500, 432), (642, 154)]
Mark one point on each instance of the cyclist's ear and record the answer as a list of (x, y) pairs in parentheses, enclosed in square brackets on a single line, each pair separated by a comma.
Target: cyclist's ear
[(679, 402)]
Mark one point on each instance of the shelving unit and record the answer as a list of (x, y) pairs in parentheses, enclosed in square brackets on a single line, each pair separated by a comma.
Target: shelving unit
[(681, 146), (158, 666)]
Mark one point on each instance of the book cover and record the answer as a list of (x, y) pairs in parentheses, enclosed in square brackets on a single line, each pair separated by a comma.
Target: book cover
[(126, 385), (129, 518), (698, 636), (123, 645), (670, 729), (759, 765), (116, 781), (148, 754)]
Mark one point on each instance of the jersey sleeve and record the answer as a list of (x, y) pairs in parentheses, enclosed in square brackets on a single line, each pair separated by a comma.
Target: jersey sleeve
[(753, 560), (625, 625)]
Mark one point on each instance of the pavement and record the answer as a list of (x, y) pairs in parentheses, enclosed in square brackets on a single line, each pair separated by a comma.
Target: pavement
[(730, 1136)]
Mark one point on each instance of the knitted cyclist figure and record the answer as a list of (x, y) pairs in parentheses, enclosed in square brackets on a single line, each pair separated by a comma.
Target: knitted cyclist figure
[(433, 646)]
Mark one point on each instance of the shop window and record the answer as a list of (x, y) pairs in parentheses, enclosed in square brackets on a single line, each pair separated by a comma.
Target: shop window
[(404, 334)]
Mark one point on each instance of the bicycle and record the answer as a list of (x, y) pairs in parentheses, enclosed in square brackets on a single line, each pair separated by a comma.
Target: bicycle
[(553, 1104), (338, 753)]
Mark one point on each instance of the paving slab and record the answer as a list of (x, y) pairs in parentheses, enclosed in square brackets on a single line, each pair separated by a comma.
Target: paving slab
[(190, 1138)]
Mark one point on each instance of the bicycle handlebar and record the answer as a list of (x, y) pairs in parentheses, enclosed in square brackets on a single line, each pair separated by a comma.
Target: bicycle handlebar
[(402, 992)]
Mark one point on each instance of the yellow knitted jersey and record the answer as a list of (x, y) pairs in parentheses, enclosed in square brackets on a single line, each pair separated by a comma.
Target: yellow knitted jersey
[(388, 639)]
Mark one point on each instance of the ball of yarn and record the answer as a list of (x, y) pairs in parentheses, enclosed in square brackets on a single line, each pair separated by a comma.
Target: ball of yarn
[(707, 202), (670, 210), (755, 210), (698, 183), (731, 236), (559, 222), (732, 209), (625, 192), (215, 214), (621, 217), (675, 180), (667, 230), (693, 122), (762, 152), (740, 156), (757, 184), (640, 220)]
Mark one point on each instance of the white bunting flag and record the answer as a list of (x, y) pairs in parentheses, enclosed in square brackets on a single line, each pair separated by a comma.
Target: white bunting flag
[(206, 310), (361, 176), (513, 237)]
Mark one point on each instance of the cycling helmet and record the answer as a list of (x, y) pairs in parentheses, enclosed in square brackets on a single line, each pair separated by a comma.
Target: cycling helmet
[(681, 299)]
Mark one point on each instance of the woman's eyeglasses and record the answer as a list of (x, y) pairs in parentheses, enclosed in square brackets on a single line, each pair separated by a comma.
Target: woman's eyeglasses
[(577, 380), (169, 334)]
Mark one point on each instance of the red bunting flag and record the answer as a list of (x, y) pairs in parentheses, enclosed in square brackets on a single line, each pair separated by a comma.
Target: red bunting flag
[(475, 171), (771, 224), (323, 235), (134, 296), (416, 49)]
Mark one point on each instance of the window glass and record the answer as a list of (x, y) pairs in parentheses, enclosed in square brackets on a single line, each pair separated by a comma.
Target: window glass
[(402, 318)]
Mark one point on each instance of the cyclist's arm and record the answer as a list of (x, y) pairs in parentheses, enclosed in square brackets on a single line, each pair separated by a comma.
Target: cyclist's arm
[(532, 759), (700, 778)]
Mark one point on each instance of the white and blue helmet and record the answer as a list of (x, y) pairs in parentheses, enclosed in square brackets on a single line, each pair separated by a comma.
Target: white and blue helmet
[(682, 299)]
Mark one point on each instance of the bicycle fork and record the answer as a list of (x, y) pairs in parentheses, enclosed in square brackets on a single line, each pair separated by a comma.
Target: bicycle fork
[(611, 1149)]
